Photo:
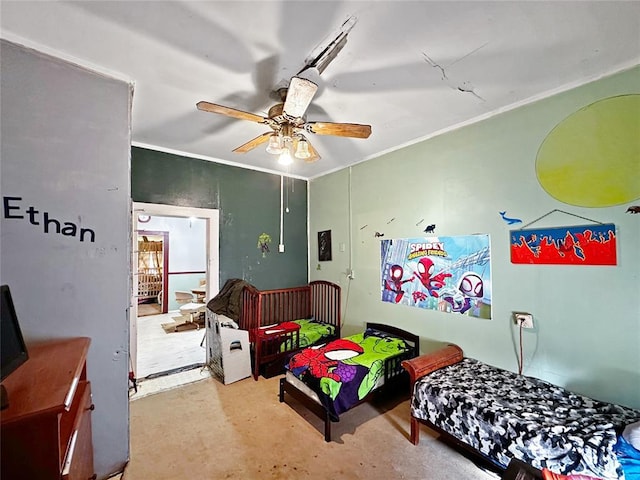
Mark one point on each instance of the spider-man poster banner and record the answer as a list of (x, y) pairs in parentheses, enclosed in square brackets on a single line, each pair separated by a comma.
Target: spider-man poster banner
[(448, 274), (583, 245)]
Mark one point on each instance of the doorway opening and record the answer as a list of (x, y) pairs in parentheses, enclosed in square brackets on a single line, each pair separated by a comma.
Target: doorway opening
[(175, 250)]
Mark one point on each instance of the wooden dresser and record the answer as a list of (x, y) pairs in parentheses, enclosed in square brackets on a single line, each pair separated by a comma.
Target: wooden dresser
[(46, 429)]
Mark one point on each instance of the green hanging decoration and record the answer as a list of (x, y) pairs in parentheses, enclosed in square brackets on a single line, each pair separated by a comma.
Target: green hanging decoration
[(263, 243)]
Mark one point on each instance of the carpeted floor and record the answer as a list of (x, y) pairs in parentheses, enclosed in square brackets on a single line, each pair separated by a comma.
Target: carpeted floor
[(207, 430)]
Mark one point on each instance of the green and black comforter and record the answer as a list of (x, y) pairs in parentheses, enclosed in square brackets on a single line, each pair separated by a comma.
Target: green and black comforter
[(344, 371)]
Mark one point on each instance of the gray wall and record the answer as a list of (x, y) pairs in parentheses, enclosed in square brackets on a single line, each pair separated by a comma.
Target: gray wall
[(249, 204), (65, 151), (587, 334)]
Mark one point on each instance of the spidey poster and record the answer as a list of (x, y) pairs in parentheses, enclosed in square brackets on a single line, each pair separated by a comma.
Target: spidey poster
[(584, 245), (448, 274)]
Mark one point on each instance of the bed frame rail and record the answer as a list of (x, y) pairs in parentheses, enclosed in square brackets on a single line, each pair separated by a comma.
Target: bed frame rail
[(326, 303), (267, 307), (320, 299)]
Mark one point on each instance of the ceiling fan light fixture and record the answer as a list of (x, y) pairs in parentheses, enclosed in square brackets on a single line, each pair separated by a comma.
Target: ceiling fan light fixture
[(287, 119), (285, 157), (275, 145), (302, 150)]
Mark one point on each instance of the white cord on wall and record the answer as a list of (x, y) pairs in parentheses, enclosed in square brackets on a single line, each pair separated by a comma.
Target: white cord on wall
[(350, 271), (281, 242)]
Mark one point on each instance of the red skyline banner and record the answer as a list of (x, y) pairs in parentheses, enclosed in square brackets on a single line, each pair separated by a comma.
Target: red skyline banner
[(580, 245)]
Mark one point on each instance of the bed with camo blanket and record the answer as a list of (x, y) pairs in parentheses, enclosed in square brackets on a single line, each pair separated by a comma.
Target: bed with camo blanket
[(332, 378), (503, 415)]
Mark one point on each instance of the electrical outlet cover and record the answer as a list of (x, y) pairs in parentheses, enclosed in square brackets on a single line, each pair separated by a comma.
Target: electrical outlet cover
[(525, 320)]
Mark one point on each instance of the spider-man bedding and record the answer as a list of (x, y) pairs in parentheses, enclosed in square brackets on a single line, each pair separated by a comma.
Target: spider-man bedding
[(343, 372)]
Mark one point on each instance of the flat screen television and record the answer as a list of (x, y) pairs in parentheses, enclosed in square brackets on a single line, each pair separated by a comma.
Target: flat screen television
[(13, 350)]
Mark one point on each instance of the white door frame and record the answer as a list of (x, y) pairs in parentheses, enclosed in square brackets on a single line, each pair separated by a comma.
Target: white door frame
[(213, 258)]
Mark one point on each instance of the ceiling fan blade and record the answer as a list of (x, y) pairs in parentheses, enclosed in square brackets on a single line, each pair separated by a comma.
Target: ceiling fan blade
[(251, 144), (230, 112), (353, 130), (299, 96)]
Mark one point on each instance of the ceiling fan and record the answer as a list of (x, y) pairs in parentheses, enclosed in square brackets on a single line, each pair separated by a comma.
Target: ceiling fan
[(288, 123)]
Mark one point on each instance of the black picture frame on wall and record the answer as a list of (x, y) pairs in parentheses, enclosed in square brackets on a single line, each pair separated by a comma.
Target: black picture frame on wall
[(324, 246)]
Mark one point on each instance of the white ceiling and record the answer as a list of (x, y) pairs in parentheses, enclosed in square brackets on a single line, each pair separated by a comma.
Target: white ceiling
[(410, 69)]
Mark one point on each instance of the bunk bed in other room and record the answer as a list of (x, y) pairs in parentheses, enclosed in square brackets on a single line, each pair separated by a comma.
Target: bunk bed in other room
[(333, 378), (150, 261)]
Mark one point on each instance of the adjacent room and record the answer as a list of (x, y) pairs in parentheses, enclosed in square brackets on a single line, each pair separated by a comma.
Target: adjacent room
[(171, 271), (343, 239)]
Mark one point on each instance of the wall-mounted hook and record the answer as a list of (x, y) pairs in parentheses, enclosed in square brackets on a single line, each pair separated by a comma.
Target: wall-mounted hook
[(430, 228)]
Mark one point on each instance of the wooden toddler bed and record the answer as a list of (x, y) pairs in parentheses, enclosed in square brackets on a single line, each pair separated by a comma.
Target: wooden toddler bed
[(501, 415), (283, 321), (332, 378)]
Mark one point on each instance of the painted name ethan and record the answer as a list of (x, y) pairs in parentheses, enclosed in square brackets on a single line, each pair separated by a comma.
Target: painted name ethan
[(13, 210)]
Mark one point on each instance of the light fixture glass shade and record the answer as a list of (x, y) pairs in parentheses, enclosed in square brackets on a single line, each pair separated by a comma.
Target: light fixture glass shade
[(285, 157), (302, 150), (275, 145)]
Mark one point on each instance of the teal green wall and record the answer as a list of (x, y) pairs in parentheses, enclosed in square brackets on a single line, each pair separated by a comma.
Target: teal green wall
[(249, 204), (587, 318)]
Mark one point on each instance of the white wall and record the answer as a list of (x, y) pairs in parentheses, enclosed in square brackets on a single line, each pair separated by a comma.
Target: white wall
[(187, 246), (65, 151)]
